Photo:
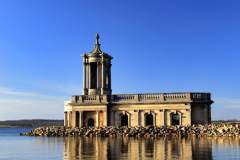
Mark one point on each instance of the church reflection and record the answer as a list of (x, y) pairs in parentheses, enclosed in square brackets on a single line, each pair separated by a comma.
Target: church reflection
[(137, 148)]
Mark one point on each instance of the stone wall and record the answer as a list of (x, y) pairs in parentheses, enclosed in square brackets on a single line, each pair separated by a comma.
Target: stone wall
[(161, 113), (139, 109), (200, 114)]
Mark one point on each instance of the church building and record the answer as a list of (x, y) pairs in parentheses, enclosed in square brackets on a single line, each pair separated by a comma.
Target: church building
[(99, 107)]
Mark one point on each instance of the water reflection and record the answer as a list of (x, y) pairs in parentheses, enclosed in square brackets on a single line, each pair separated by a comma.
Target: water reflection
[(144, 148)]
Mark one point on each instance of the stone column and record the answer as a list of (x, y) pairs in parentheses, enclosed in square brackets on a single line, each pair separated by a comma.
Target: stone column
[(73, 119), (162, 117), (110, 78), (188, 117), (105, 119), (168, 118), (98, 119), (180, 117), (158, 118), (65, 119), (112, 117), (80, 119), (70, 119), (88, 76), (143, 119), (154, 119), (129, 120), (99, 66), (137, 118), (103, 77), (84, 77)]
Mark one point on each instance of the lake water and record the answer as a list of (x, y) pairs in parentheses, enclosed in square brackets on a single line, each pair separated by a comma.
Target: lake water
[(13, 146)]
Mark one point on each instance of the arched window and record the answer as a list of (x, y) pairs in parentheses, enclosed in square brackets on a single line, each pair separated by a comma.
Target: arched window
[(124, 120), (90, 122), (175, 119), (149, 119)]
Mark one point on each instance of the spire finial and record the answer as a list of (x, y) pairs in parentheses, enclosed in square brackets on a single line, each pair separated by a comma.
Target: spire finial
[(97, 37)]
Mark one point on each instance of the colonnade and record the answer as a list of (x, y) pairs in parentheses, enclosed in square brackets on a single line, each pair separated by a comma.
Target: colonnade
[(70, 119), (156, 118), (131, 118), (76, 119), (102, 82)]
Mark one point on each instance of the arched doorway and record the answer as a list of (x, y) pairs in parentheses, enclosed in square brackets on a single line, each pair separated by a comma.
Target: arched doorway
[(90, 122), (175, 119), (149, 119), (124, 120)]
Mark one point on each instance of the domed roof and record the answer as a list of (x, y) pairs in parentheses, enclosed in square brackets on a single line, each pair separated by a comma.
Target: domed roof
[(97, 51)]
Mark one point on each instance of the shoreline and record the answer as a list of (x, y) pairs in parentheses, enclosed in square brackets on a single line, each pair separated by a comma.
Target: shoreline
[(148, 131), (3, 126)]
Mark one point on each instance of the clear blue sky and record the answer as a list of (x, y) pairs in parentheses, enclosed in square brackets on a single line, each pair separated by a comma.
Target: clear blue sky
[(159, 46)]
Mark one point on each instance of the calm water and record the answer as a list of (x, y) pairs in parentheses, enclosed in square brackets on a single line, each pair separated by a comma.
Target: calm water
[(13, 146)]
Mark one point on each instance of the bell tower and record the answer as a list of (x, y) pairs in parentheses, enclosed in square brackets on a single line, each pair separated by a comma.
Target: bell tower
[(97, 71)]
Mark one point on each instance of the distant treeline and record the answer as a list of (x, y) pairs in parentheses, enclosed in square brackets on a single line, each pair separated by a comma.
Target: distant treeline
[(32, 122), (228, 122)]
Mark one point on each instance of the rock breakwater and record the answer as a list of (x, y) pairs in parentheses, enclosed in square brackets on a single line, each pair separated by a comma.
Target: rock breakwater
[(112, 131)]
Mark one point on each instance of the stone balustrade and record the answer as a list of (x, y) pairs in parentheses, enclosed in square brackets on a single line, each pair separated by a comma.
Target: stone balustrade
[(176, 96), (150, 96), (89, 98), (122, 97), (201, 96), (181, 96)]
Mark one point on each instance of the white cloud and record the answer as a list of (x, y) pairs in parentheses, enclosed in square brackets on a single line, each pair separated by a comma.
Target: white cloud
[(4, 90), (232, 106), (63, 88), (32, 108), (226, 100), (17, 93), (31, 105), (9, 92), (18, 105)]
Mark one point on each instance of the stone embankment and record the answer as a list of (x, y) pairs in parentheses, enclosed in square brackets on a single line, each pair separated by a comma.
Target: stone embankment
[(166, 131)]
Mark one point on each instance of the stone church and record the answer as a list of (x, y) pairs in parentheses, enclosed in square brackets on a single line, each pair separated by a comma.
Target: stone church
[(99, 107)]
